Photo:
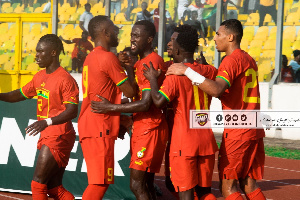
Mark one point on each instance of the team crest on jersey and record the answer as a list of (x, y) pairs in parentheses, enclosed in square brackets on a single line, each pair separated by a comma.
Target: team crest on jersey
[(43, 84), (140, 154), (201, 118)]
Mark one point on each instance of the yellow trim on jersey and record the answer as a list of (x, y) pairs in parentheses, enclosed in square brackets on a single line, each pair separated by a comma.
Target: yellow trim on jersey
[(225, 79), (23, 94), (205, 101), (70, 102), (122, 81), (146, 89), (196, 97), (164, 94)]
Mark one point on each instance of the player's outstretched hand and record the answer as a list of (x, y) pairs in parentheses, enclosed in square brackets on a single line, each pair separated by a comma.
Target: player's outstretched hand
[(150, 72), (100, 106), (124, 58), (36, 127), (176, 69)]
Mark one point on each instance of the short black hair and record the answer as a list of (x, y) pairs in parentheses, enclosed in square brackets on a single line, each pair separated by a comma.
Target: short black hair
[(94, 25), (149, 27), (187, 37), (235, 26), (55, 42)]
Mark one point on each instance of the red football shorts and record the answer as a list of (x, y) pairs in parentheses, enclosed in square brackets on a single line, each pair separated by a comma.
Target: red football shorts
[(60, 147), (239, 159), (147, 150), (99, 157), (187, 172)]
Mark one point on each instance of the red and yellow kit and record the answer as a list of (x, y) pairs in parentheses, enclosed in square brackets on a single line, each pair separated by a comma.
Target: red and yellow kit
[(147, 148), (239, 70), (192, 150), (102, 73), (53, 91)]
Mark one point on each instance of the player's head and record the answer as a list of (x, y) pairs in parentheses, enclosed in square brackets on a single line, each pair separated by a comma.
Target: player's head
[(229, 33), (48, 49), (186, 43), (84, 35), (87, 7), (102, 28), (284, 61), (142, 35), (144, 6)]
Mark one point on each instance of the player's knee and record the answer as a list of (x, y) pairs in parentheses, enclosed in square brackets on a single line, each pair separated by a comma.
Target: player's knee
[(136, 186)]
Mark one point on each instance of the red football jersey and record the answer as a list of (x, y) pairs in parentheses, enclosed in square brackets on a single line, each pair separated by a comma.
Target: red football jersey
[(102, 73), (239, 70), (144, 121), (186, 97), (53, 91)]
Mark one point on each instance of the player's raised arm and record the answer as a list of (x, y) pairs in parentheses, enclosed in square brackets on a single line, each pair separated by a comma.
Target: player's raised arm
[(152, 75), (13, 96)]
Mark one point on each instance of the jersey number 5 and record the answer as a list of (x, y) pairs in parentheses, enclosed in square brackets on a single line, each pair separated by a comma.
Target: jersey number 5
[(249, 99)]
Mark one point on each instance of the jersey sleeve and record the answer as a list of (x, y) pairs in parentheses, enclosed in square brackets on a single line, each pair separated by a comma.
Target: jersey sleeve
[(28, 91), (157, 64), (70, 91), (227, 70), (168, 88), (115, 71)]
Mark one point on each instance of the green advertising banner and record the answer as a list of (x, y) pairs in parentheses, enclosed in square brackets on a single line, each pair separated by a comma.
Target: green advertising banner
[(18, 154)]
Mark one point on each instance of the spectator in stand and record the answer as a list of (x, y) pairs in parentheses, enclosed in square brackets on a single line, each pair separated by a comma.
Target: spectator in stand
[(182, 6), (197, 25), (253, 6), (131, 5), (82, 45), (199, 7), (287, 72), (115, 5), (144, 14), (155, 14), (171, 6), (295, 64), (85, 17), (267, 7)]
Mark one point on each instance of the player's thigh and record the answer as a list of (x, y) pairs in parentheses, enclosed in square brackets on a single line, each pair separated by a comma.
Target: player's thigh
[(46, 166)]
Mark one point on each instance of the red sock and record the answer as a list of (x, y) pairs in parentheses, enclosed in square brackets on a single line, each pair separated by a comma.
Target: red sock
[(94, 192), (209, 196), (60, 193), (39, 191), (195, 196), (235, 196), (256, 195)]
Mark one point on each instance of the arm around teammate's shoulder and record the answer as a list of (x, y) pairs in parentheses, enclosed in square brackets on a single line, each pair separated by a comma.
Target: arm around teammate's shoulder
[(13, 96)]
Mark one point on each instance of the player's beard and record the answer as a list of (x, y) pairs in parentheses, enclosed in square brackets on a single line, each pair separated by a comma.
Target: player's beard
[(114, 42)]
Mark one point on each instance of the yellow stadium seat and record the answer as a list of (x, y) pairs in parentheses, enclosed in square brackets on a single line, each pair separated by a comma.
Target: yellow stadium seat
[(270, 45), (120, 17), (256, 43), (80, 10), (286, 44), (66, 62), (19, 9), (244, 44), (296, 45), (264, 72), (33, 67), (68, 28), (268, 19), (5, 5), (252, 19), (64, 18), (38, 10), (298, 35), (82, 2), (292, 19), (254, 53), (71, 10), (4, 58), (288, 52), (289, 33), (8, 45), (8, 66), (136, 10), (268, 54), (262, 33), (74, 17)]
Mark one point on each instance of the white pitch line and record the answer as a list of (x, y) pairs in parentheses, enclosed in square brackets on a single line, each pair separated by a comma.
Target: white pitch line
[(10, 197), (281, 182), (291, 170)]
